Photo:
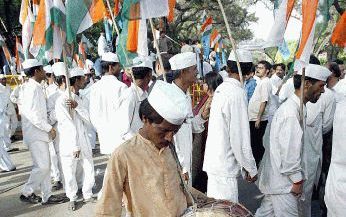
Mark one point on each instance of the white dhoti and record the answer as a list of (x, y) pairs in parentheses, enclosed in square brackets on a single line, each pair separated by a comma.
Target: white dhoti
[(278, 205), (55, 162), (40, 173), (92, 136), (69, 167), (6, 163), (222, 188)]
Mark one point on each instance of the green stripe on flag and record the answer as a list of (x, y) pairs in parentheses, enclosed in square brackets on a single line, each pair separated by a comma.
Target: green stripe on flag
[(76, 10), (58, 18)]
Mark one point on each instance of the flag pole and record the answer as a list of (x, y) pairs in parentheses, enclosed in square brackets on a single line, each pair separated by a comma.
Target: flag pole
[(301, 110), (157, 48), (234, 47), (113, 19)]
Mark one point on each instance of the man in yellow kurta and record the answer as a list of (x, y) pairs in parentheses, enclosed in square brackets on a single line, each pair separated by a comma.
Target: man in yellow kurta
[(143, 168)]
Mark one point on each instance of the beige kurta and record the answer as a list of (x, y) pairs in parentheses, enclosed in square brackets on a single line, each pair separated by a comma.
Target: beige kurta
[(147, 176)]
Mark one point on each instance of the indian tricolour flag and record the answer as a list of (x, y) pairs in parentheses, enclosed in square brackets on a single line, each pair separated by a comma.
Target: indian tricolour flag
[(339, 32), (306, 44), (207, 26), (26, 19), (82, 14), (215, 37), (282, 15), (48, 34), (133, 38)]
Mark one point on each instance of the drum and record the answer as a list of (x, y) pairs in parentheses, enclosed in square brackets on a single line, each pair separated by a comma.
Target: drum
[(218, 208)]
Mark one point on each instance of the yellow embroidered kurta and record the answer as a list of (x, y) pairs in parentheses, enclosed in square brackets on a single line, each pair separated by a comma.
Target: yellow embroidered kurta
[(149, 179)]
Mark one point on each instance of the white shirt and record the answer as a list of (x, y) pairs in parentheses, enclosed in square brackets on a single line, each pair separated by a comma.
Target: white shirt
[(183, 138), (51, 89), (276, 81), (282, 165), (129, 109), (319, 121), (4, 108), (17, 96), (287, 90), (228, 147), (261, 94), (34, 115), (104, 105), (72, 127), (335, 196)]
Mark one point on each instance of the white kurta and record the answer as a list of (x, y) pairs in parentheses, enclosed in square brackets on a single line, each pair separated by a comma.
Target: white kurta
[(35, 128), (7, 111), (16, 96), (183, 138), (104, 105), (228, 149), (318, 122), (5, 159), (74, 137), (282, 165), (287, 90), (335, 196), (130, 121), (54, 145), (85, 95)]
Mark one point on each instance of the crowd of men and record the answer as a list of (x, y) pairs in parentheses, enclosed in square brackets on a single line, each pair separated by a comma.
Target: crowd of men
[(148, 129)]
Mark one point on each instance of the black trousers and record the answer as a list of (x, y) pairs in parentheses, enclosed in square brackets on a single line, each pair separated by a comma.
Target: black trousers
[(257, 140)]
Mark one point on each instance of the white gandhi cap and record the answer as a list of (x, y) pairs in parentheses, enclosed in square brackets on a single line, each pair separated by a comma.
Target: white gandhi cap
[(142, 62), (244, 56), (183, 60), (59, 69), (77, 71), (110, 57), (48, 69), (168, 102), (30, 63), (318, 72)]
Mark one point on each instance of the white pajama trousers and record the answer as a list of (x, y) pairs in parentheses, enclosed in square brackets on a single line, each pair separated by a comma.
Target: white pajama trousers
[(278, 205), (40, 173), (222, 188), (6, 163), (55, 167), (69, 168)]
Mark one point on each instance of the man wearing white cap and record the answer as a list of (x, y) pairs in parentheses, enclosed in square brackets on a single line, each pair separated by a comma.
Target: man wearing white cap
[(37, 132), (9, 118), (185, 67), (52, 87), (59, 70), (6, 163), (335, 196), (283, 168), (104, 104), (129, 121), (144, 168), (228, 149), (73, 118)]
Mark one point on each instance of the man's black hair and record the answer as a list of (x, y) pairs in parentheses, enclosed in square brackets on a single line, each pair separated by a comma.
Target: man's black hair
[(266, 64), (74, 79), (245, 67), (31, 71), (213, 80), (297, 81), (335, 69), (147, 111), (314, 60), (105, 66), (140, 72), (283, 66)]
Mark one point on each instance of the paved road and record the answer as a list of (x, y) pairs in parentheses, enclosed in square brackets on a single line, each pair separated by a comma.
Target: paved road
[(12, 182)]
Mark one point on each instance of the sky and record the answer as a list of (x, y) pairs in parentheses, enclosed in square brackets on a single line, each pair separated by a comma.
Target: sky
[(265, 17)]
